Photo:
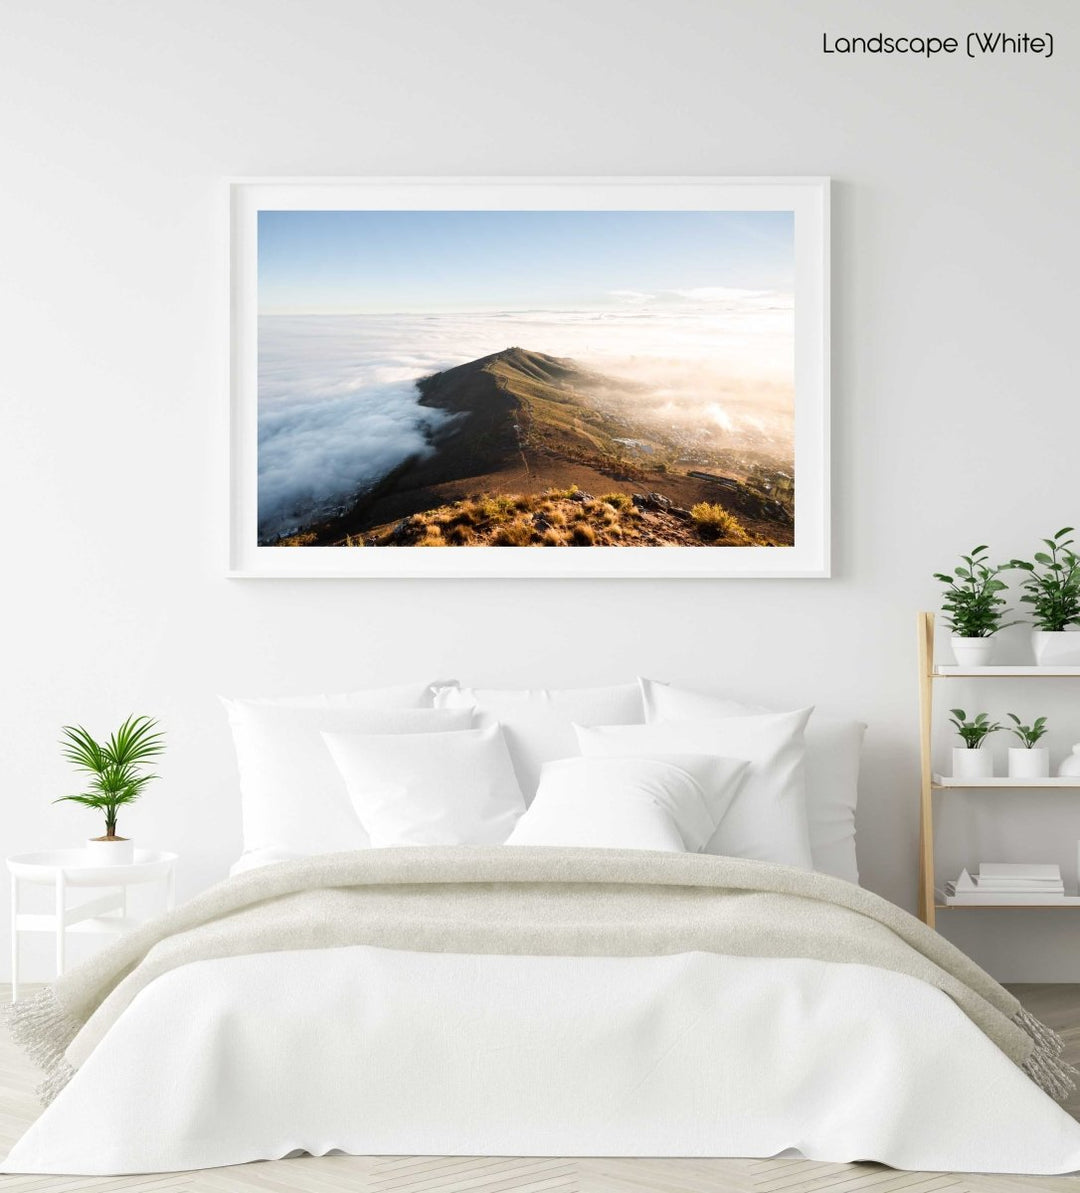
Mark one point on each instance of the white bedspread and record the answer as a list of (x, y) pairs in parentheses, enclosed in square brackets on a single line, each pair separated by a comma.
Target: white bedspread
[(417, 1053)]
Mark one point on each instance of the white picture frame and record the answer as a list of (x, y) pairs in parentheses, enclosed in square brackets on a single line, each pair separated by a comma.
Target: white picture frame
[(806, 197)]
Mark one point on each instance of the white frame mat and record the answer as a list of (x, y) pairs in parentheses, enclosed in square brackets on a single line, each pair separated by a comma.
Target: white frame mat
[(808, 198)]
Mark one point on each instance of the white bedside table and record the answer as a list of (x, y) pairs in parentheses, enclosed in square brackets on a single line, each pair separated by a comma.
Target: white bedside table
[(63, 869)]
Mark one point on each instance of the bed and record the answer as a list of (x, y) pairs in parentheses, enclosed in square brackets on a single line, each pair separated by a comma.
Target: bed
[(604, 967)]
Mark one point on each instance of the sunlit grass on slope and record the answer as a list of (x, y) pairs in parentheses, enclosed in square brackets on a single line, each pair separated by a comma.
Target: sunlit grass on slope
[(560, 518)]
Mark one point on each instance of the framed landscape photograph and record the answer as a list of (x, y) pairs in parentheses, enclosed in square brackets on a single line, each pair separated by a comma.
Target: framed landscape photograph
[(529, 377)]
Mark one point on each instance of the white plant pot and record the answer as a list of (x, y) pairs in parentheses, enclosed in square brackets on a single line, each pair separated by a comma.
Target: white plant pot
[(1056, 648), (1029, 764), (972, 652), (972, 764), (120, 852)]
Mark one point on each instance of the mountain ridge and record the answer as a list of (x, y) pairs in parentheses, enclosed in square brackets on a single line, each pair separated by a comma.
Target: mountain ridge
[(527, 424), (525, 401)]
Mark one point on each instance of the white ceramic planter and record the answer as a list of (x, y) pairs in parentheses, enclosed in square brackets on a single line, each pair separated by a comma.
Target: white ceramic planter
[(1029, 764), (120, 852), (972, 764), (1056, 648), (972, 652)]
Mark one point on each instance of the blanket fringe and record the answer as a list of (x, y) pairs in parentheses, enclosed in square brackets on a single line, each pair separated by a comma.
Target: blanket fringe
[(48, 1089), (1046, 1065), (43, 1030)]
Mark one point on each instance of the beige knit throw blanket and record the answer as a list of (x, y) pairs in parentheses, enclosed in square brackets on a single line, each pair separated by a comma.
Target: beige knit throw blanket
[(526, 901)]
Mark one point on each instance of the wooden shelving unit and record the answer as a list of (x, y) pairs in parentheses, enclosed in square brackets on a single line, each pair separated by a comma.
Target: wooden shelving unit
[(929, 673)]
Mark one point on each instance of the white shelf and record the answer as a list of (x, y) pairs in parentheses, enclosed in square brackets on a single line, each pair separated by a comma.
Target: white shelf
[(975, 784), (27, 922), (987, 904), (1027, 672)]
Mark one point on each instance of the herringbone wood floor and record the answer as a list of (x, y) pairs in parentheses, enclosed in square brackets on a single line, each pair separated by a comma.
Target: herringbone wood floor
[(1057, 1005)]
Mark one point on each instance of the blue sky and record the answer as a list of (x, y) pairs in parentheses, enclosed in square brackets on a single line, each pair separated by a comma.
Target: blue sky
[(417, 261)]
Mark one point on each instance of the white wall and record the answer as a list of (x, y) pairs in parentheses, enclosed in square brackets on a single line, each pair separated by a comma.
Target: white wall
[(955, 364)]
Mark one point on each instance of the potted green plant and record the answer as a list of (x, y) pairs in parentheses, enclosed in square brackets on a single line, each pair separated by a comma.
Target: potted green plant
[(1029, 760), (973, 607), (1052, 589), (970, 761), (117, 778)]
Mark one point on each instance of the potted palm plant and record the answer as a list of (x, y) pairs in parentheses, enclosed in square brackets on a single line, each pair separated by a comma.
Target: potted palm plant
[(117, 778), (1052, 589), (1029, 760), (974, 607), (970, 761)]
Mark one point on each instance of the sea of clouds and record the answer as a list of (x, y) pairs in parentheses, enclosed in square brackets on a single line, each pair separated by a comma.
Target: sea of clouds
[(338, 404)]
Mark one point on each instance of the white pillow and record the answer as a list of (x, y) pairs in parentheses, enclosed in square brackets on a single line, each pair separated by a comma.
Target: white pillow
[(255, 859), (430, 788), (833, 750), (767, 818), (672, 803), (539, 722), (404, 695), (292, 796)]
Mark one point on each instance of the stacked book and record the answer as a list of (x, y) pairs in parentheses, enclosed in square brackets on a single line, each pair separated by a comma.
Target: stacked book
[(1007, 882)]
